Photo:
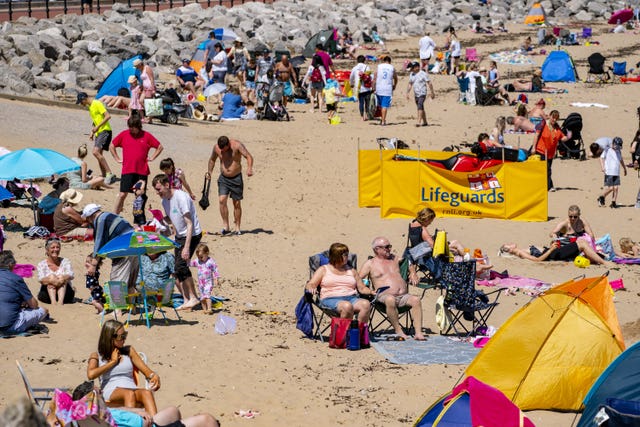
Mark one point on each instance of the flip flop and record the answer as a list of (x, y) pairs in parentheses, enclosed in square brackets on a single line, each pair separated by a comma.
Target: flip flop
[(395, 338)]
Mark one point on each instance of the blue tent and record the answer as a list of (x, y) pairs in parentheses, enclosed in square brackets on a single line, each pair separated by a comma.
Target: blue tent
[(458, 413), (118, 78), (620, 380), (558, 67)]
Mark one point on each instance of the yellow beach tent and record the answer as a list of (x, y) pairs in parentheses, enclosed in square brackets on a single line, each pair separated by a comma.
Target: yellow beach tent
[(550, 352), (536, 15)]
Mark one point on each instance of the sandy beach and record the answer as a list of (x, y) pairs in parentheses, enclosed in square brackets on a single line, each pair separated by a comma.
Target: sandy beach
[(302, 198)]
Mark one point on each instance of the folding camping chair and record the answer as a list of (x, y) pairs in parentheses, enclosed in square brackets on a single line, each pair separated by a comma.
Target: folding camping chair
[(320, 312), (427, 267), (486, 98), (573, 148), (40, 396), (161, 298), (117, 296), (597, 73), (619, 70), (463, 302), (471, 55)]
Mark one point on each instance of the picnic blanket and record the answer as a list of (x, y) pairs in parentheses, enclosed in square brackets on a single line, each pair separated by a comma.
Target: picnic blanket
[(434, 351), (588, 104), (512, 57)]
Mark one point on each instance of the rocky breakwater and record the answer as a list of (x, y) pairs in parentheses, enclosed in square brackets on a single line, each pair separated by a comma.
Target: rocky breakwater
[(59, 56)]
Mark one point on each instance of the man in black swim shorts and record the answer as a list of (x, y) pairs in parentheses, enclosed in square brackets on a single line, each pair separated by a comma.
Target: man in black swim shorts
[(230, 181)]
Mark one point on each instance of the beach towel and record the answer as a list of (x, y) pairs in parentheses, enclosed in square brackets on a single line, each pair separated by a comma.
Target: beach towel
[(304, 316), (529, 285), (588, 104)]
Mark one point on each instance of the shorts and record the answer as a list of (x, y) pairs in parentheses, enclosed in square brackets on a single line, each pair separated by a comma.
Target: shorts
[(27, 318), (233, 186), (426, 58), (332, 303), (331, 107), (182, 267), (384, 101), (288, 88), (218, 76), (611, 180), (317, 85), (401, 300), (420, 102), (128, 180), (250, 85), (565, 252), (98, 294), (103, 140), (125, 270)]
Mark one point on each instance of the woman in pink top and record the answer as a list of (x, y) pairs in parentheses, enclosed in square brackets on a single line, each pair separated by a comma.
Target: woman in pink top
[(340, 284)]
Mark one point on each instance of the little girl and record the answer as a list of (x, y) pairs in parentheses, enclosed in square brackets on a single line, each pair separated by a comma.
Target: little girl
[(93, 282), (176, 177), (207, 276), (135, 107), (629, 248)]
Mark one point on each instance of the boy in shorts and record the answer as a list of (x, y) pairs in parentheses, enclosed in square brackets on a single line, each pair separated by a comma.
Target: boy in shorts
[(101, 133), (610, 161), (419, 80), (330, 98)]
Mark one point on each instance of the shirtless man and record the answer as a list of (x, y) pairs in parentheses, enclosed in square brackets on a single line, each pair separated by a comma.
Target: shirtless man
[(286, 74), (230, 152), (383, 270)]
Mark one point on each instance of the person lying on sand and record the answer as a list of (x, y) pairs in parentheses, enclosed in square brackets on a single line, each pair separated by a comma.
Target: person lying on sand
[(556, 252)]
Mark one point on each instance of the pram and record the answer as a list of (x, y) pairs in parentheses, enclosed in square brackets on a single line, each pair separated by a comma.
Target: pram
[(270, 101), (574, 147)]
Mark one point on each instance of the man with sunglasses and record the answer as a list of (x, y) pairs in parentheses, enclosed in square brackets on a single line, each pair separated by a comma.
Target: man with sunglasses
[(384, 271)]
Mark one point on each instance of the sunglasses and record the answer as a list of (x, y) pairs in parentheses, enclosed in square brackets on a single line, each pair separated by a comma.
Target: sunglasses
[(574, 216), (121, 337), (384, 247)]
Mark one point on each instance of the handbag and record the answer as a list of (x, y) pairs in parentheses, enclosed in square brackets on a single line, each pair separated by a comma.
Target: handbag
[(204, 200), (338, 336), (420, 250), (153, 107), (440, 245)]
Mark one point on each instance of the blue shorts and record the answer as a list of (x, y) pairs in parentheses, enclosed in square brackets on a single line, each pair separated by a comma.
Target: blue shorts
[(288, 88), (332, 303), (384, 101), (250, 85)]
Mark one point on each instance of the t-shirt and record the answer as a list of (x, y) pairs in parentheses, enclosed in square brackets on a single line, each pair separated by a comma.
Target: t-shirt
[(354, 77), (135, 151), (384, 80), (221, 66), (264, 65), (604, 142), (187, 74), (211, 47), (232, 107), (426, 45), (471, 75), (611, 158), (97, 112), (176, 207), (13, 292), (455, 48), (329, 94), (419, 81)]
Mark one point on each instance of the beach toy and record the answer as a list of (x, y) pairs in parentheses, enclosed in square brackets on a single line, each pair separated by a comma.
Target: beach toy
[(581, 262), (335, 120), (201, 98)]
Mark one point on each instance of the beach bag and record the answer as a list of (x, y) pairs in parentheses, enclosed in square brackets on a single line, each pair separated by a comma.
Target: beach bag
[(338, 336), (440, 245), (304, 315), (365, 78), (153, 107), (443, 315), (204, 200), (316, 75), (89, 410), (365, 342)]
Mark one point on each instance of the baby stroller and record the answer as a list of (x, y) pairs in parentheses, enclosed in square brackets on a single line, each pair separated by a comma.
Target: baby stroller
[(574, 147), (172, 106), (272, 102)]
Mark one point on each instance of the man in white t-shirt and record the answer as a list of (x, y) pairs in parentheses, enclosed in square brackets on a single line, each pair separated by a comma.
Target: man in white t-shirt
[(385, 83), (427, 46), (361, 80), (419, 81), (181, 210)]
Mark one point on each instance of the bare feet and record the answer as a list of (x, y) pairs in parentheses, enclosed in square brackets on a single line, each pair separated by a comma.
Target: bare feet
[(419, 337)]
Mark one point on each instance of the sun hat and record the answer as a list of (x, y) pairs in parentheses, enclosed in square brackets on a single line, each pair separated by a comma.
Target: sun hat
[(238, 40), (81, 96), (71, 196), (90, 209), (198, 115), (186, 60), (137, 62), (132, 79)]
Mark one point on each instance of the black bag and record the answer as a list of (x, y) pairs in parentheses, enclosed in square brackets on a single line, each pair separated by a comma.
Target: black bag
[(204, 201), (69, 296)]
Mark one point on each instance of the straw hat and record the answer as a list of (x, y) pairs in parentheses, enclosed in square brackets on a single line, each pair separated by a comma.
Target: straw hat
[(71, 196), (198, 115), (137, 62)]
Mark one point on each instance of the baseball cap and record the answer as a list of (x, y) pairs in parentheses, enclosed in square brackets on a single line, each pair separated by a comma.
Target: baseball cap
[(617, 142), (186, 60), (81, 96), (90, 209)]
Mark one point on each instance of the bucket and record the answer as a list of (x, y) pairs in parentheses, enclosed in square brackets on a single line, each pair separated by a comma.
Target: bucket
[(149, 227)]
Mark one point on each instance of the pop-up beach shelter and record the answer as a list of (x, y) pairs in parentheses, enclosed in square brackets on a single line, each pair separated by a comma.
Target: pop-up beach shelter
[(558, 67), (473, 403), (536, 15), (621, 380), (118, 78), (550, 352)]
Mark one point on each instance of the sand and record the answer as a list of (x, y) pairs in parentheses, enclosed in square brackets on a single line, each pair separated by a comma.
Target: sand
[(302, 198)]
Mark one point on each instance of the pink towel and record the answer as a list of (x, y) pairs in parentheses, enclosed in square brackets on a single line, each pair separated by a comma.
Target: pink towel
[(24, 270)]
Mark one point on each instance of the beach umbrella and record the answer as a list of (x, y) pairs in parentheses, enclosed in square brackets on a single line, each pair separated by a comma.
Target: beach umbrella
[(224, 34), (297, 61), (137, 243), (321, 37), (214, 89), (621, 16), (32, 163)]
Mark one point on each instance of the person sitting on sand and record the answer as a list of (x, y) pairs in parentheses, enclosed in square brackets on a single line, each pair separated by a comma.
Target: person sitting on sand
[(384, 271), (340, 284), (572, 226), (556, 252), (527, 46), (521, 122)]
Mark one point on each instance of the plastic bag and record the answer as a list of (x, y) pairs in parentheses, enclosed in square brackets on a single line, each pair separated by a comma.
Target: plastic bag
[(225, 325)]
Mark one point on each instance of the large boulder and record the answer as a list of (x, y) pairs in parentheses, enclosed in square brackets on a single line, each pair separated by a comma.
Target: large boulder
[(48, 83)]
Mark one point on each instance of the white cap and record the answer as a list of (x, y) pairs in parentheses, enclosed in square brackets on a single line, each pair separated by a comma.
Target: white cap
[(90, 209)]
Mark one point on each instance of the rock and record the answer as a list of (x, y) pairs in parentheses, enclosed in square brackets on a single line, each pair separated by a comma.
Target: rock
[(24, 44), (583, 16), (68, 78), (48, 83)]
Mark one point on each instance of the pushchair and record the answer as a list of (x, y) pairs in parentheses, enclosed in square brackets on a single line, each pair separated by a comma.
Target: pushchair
[(574, 147), (270, 101), (172, 106)]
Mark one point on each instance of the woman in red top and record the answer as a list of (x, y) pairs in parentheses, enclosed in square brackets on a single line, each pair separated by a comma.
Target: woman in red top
[(548, 138)]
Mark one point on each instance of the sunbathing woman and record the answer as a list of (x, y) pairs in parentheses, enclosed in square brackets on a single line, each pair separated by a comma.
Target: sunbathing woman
[(556, 252), (114, 363), (573, 226), (536, 84), (628, 248)]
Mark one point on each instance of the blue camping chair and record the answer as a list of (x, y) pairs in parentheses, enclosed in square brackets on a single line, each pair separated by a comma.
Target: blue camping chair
[(619, 70), (586, 33)]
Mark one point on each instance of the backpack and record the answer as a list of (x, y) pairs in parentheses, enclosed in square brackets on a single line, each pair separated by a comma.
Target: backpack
[(366, 80), (316, 75)]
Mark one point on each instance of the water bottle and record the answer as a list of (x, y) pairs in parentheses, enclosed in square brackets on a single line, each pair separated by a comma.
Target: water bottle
[(353, 334)]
